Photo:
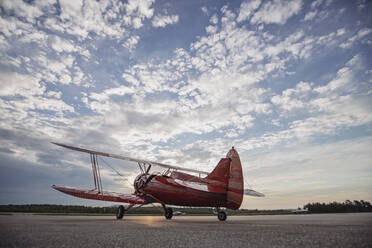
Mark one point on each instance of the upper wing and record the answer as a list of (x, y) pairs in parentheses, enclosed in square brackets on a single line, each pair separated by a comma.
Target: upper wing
[(93, 194), (251, 192), (130, 159)]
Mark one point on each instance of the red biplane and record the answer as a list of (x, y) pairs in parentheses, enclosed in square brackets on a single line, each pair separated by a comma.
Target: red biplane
[(222, 188)]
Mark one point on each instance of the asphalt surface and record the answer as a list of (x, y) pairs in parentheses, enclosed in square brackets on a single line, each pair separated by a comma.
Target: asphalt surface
[(312, 230)]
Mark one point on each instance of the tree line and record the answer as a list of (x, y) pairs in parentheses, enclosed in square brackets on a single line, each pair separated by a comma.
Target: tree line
[(339, 207), (51, 208), (71, 209), (317, 207)]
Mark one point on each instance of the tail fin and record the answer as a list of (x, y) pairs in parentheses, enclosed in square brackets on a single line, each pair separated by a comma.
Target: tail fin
[(229, 171), (221, 171), (235, 187)]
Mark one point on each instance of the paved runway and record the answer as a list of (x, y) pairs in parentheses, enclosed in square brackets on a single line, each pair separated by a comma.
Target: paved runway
[(313, 230)]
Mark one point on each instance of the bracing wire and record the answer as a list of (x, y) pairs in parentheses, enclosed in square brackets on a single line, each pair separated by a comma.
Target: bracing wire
[(112, 168), (245, 182)]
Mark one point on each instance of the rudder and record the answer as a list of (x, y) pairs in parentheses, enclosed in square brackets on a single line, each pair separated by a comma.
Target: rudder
[(235, 186)]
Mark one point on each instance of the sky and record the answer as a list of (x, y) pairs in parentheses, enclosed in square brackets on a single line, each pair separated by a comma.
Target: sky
[(288, 83)]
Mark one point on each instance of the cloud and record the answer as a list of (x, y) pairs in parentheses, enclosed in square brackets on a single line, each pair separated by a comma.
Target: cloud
[(246, 9), (218, 59), (204, 10), (137, 11), (310, 16), (105, 95), (56, 70), (77, 18), (163, 20), (277, 12), (316, 3), (345, 79), (132, 42), (130, 79), (28, 11), (214, 19), (97, 17), (12, 84), (142, 8), (60, 45), (339, 104), (359, 36), (315, 11), (293, 98)]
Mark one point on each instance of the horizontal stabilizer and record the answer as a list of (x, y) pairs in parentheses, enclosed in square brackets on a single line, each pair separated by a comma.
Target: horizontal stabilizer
[(251, 192), (93, 194)]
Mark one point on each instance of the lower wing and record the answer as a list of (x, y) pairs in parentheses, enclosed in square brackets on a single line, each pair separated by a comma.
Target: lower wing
[(93, 194), (251, 192)]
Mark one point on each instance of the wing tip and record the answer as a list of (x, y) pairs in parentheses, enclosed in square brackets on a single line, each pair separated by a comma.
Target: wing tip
[(56, 143), (252, 192)]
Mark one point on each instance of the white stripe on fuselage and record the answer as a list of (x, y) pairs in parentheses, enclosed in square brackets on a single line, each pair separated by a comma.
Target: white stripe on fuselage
[(193, 185)]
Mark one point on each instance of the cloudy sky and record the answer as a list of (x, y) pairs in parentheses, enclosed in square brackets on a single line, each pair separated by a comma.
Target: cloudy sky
[(288, 83)]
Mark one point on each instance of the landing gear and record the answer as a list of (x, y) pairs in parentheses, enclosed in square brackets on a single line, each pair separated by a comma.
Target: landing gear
[(168, 212), (120, 212), (221, 215)]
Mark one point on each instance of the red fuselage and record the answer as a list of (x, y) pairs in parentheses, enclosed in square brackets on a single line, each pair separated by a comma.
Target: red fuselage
[(177, 190), (223, 187)]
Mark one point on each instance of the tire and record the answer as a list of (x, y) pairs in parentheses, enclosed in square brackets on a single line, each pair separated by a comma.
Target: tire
[(120, 212), (168, 213), (221, 215)]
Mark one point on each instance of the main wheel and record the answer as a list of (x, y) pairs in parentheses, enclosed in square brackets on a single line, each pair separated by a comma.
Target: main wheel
[(120, 212), (221, 215), (168, 213)]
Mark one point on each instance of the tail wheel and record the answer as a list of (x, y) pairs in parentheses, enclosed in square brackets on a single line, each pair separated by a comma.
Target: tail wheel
[(221, 215), (120, 212), (168, 213)]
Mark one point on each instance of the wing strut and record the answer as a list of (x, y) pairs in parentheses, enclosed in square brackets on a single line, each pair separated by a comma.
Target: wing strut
[(96, 173)]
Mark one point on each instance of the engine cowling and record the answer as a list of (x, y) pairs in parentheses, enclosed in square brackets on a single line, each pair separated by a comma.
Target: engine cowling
[(140, 182)]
